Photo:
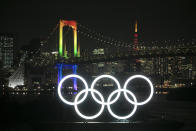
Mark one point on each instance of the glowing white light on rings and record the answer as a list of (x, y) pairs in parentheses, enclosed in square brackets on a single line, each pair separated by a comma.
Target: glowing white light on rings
[(108, 102), (93, 85), (134, 108), (151, 89), (84, 116), (60, 85)]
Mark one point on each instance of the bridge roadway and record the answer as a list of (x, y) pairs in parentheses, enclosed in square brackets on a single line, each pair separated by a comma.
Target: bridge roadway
[(143, 53)]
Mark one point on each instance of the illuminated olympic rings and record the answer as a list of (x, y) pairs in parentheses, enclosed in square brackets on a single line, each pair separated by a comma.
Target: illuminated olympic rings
[(108, 102)]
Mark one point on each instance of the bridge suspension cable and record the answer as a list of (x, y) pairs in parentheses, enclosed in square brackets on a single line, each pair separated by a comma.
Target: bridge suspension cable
[(100, 37)]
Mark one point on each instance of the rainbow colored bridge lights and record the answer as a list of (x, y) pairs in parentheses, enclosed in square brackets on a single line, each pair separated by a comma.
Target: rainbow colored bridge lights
[(62, 46), (63, 51)]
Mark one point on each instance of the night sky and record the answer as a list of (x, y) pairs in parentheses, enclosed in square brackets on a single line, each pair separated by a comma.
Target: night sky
[(158, 20)]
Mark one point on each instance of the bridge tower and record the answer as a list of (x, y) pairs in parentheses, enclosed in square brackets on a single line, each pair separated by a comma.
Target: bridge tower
[(63, 51), (62, 46)]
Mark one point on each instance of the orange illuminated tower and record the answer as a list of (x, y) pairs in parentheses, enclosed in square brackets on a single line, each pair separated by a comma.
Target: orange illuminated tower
[(135, 41)]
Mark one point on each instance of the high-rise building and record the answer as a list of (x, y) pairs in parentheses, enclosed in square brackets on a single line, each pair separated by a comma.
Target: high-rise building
[(7, 50)]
